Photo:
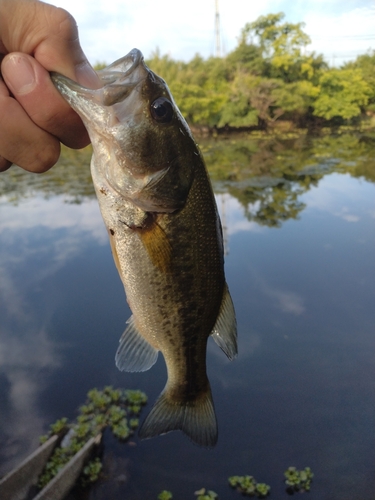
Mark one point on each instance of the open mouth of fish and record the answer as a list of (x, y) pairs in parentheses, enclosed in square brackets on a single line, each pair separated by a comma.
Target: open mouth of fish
[(118, 81)]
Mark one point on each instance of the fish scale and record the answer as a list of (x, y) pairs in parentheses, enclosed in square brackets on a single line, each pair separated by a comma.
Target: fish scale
[(158, 206)]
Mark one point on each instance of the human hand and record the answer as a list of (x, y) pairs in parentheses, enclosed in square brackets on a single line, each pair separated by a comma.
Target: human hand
[(36, 38)]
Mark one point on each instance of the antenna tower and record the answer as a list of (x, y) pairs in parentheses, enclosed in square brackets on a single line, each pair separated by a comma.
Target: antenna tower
[(217, 30)]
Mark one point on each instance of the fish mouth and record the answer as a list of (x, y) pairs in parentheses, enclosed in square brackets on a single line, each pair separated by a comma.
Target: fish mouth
[(125, 66), (118, 80)]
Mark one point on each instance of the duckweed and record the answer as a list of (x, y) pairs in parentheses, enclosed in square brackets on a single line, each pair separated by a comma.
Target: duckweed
[(165, 495), (298, 480), (202, 494), (115, 408), (92, 471), (206, 495), (119, 410), (247, 485)]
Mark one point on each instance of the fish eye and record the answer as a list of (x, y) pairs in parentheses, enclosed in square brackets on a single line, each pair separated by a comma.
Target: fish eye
[(162, 110)]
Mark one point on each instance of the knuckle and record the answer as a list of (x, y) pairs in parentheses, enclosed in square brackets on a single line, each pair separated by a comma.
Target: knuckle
[(41, 158), (64, 24), (4, 164), (45, 158)]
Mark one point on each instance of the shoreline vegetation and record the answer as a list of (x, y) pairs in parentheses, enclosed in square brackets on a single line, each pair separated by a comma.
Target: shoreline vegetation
[(268, 83), (266, 168)]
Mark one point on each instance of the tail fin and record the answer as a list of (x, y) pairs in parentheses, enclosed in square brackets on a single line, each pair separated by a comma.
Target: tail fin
[(196, 419)]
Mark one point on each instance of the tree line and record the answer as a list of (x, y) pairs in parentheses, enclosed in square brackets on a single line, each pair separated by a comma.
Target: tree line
[(269, 77)]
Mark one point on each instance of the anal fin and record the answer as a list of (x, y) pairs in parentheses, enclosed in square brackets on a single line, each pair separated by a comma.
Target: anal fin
[(134, 353), (224, 332)]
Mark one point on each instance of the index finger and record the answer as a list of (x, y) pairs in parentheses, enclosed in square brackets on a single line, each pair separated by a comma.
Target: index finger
[(48, 33)]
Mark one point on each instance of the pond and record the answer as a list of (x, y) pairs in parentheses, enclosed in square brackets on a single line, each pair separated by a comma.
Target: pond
[(299, 224)]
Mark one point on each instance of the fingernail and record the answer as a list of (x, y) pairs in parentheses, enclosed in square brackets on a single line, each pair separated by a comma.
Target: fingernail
[(19, 74), (86, 76)]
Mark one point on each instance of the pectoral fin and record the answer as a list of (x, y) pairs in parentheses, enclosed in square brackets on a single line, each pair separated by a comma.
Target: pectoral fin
[(158, 246), (224, 332), (134, 354), (114, 252)]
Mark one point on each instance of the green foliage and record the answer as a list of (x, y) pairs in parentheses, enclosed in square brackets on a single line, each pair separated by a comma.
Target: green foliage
[(91, 471), (366, 64), (248, 486), (115, 408), (99, 65), (201, 494), (295, 98), (72, 180), (59, 426), (281, 44), (239, 110), (204, 494), (268, 76), (298, 480), (198, 87), (165, 495), (247, 57), (267, 174), (343, 93)]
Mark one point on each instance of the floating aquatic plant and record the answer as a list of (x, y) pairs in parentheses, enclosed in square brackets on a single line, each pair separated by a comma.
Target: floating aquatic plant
[(115, 408), (91, 471), (298, 480), (247, 485), (204, 494), (165, 495)]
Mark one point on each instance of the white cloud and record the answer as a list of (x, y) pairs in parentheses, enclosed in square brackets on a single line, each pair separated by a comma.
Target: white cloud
[(341, 37), (108, 30), (341, 196)]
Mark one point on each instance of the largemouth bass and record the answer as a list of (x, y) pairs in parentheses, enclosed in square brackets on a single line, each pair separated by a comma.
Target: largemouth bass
[(159, 209)]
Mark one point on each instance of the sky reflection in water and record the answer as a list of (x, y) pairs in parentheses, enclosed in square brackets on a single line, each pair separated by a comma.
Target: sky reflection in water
[(301, 391)]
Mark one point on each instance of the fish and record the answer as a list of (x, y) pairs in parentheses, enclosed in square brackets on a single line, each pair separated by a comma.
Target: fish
[(159, 209)]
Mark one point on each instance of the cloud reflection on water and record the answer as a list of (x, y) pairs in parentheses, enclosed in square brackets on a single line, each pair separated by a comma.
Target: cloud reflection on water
[(35, 231), (26, 361), (232, 215), (53, 213)]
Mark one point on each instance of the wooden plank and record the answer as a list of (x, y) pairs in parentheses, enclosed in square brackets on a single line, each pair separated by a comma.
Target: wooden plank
[(16, 484), (64, 481)]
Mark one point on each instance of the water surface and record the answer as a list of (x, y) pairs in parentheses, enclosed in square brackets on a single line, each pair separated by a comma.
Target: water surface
[(298, 218)]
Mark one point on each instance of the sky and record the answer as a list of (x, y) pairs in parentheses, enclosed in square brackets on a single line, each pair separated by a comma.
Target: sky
[(109, 29)]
